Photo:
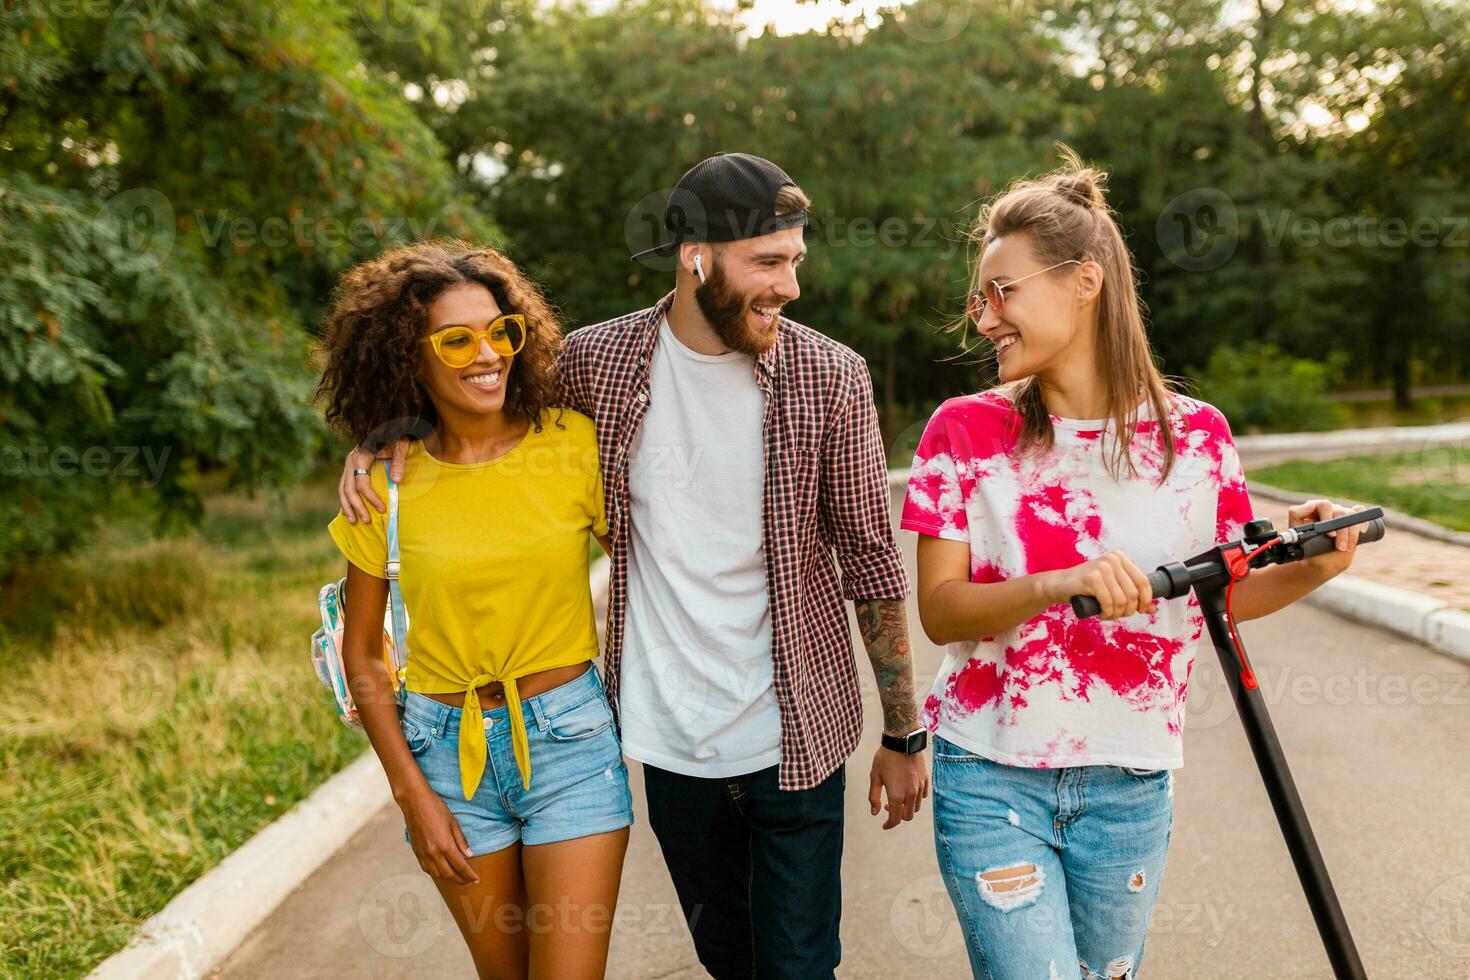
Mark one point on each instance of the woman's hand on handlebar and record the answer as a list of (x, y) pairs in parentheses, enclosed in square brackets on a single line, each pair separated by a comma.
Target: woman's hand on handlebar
[(1119, 586), (1337, 560)]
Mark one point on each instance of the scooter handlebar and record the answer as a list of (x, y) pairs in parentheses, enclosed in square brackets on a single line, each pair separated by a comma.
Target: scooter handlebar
[(1323, 543), (1170, 581)]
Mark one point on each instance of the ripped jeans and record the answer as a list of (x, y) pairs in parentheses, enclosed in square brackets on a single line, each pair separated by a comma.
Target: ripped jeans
[(1053, 872)]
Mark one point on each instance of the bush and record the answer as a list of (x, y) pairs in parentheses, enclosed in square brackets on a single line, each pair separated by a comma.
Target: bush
[(1260, 389), (121, 370)]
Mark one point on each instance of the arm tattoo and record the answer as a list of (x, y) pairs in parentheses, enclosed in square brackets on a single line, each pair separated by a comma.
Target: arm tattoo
[(885, 629)]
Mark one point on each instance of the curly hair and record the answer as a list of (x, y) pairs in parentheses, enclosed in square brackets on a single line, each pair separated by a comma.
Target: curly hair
[(380, 310)]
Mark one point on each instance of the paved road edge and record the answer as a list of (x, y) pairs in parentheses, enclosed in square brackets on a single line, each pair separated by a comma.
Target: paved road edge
[(1346, 441)]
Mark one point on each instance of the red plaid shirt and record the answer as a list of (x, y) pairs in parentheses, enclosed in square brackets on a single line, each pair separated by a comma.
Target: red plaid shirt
[(826, 489)]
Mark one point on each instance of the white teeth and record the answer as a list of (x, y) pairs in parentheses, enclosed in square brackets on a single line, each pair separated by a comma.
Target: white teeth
[(484, 380), (765, 312), (1005, 342)]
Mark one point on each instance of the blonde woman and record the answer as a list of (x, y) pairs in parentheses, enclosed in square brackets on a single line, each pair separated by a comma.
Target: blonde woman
[(1056, 738)]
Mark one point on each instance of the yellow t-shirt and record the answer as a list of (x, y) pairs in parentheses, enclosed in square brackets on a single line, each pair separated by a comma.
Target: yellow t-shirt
[(493, 569)]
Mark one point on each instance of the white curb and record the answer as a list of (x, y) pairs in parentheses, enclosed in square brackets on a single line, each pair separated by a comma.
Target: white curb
[(1354, 440), (1449, 630), (1433, 622), (207, 920)]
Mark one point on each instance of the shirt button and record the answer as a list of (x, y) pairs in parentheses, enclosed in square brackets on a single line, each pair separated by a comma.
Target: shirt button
[(643, 396), (489, 722)]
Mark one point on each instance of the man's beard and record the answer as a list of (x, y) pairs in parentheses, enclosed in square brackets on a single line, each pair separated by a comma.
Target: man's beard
[(725, 311)]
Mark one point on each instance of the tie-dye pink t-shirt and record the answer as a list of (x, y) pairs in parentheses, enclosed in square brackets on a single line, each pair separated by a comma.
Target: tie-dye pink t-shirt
[(1059, 691)]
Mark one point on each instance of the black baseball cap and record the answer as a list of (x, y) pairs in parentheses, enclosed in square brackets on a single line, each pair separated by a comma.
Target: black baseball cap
[(726, 198)]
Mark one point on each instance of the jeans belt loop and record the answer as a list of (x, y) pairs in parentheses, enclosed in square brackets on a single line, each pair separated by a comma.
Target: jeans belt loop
[(538, 711)]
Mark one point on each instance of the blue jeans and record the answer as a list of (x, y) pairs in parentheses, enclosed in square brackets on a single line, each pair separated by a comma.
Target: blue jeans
[(1050, 869), (579, 783)]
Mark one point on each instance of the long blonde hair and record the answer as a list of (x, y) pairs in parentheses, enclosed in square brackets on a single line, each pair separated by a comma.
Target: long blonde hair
[(1065, 216)]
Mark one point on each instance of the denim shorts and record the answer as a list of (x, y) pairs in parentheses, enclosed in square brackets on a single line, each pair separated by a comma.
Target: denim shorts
[(579, 783), (1050, 869)]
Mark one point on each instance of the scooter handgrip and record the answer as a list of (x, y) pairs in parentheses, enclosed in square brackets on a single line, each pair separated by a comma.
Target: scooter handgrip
[(1320, 545), (1085, 605)]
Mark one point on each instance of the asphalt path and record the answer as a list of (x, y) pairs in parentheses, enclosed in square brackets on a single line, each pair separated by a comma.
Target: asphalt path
[(1377, 733)]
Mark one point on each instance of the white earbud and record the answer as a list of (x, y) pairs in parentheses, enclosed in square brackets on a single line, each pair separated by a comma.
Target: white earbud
[(699, 267)]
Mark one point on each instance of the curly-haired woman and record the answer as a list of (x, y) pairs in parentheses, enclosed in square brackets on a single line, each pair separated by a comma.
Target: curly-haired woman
[(505, 762)]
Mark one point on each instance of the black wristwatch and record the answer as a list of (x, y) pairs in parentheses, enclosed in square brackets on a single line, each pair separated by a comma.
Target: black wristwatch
[(915, 741)]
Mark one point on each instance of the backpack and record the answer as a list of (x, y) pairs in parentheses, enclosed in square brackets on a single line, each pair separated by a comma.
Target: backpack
[(326, 643)]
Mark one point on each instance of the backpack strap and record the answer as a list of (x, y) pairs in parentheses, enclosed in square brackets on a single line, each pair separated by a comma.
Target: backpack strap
[(395, 594)]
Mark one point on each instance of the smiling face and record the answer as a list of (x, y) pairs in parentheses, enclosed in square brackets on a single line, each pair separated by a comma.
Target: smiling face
[(478, 388), (1039, 329), (751, 280)]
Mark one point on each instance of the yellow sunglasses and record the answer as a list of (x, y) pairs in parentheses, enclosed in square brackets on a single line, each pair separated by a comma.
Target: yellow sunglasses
[(459, 346)]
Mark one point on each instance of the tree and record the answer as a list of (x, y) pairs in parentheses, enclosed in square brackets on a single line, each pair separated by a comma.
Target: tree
[(182, 184)]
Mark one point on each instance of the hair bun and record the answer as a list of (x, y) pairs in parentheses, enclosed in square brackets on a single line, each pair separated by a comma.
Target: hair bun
[(1083, 188)]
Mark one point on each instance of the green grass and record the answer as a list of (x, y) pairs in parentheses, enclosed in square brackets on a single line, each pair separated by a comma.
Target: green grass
[(1432, 483), (161, 710)]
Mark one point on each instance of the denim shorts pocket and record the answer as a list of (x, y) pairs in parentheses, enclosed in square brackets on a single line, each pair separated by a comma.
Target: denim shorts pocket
[(591, 717), (418, 739)]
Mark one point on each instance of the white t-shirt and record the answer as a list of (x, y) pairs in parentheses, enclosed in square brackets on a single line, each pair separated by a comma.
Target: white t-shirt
[(695, 693), (1059, 691)]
